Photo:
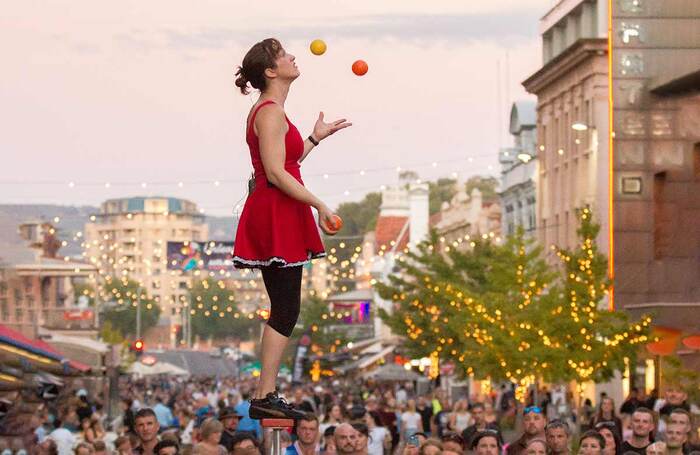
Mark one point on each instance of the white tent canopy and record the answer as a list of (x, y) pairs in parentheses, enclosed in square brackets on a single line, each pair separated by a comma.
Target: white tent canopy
[(140, 369)]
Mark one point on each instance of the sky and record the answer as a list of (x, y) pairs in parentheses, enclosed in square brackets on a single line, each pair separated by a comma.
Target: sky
[(104, 99)]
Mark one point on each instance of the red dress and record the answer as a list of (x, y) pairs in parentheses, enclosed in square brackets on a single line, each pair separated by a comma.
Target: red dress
[(275, 229)]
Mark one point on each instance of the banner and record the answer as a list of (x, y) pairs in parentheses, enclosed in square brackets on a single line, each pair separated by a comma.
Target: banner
[(206, 256), (299, 356)]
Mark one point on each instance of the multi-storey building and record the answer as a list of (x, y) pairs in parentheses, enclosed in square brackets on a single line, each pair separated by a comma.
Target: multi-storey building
[(518, 171), (572, 120), (129, 237)]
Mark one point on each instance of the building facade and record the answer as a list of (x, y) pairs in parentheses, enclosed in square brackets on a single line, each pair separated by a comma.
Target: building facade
[(572, 121), (37, 284), (656, 149), (129, 237), (519, 171)]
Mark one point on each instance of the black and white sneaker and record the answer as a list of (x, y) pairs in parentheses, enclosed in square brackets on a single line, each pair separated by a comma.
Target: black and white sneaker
[(274, 407)]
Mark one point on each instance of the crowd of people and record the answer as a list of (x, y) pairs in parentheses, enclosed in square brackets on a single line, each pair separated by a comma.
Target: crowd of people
[(206, 416)]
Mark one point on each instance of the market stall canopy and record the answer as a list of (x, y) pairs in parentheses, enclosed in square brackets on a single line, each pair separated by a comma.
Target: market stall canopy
[(17, 349), (393, 372), (141, 369)]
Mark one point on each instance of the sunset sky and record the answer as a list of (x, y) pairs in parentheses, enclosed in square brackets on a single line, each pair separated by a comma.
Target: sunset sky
[(142, 91)]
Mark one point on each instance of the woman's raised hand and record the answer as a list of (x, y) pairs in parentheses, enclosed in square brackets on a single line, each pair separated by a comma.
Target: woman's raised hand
[(322, 129)]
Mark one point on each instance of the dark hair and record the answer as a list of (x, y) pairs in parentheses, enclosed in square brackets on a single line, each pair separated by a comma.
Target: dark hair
[(681, 411), (478, 405), (99, 446), (486, 434), (450, 436), (329, 431), (165, 443), (309, 417), (240, 436), (558, 423), (599, 414), (612, 428), (259, 58), (145, 412), (595, 435), (361, 428)]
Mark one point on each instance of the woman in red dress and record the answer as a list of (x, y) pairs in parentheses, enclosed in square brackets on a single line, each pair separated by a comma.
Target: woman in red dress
[(277, 231)]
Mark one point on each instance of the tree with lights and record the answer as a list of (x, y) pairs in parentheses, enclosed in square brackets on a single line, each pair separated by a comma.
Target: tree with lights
[(500, 311), (215, 313), (123, 297)]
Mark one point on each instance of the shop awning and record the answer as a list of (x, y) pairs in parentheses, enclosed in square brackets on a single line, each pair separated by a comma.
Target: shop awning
[(42, 354)]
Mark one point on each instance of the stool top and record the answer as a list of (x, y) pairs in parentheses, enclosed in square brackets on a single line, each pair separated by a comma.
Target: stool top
[(277, 423)]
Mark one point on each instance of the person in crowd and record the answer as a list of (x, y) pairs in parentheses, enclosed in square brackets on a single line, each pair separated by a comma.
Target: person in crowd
[(652, 399), (680, 416), (655, 448), (84, 408), (246, 423), (634, 400), (163, 413), (333, 417), (675, 398), (479, 423), (557, 435), (64, 438), (48, 447), (147, 427), (328, 446), (411, 421), (210, 434), (362, 441), (606, 413), (229, 418), (245, 441), (425, 410), (643, 424), (613, 442), (122, 445), (534, 422), (486, 442), (441, 415), (460, 418), (167, 447), (452, 442), (379, 436), (84, 448), (100, 447), (86, 434), (307, 442), (430, 447), (536, 446), (345, 439), (676, 438), (591, 443)]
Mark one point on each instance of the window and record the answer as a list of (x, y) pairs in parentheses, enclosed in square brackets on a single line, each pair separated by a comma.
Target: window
[(663, 221), (19, 315)]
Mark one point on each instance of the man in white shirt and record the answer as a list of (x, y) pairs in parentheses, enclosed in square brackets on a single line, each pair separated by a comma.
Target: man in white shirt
[(65, 440)]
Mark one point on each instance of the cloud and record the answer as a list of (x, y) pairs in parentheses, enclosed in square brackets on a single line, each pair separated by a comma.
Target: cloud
[(506, 29)]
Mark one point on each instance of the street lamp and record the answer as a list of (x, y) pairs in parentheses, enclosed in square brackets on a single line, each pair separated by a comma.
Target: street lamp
[(525, 157), (578, 126)]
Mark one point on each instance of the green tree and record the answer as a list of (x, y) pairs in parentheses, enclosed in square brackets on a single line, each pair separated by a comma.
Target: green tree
[(216, 314), (121, 306), (317, 320), (500, 311), (440, 191), (487, 185)]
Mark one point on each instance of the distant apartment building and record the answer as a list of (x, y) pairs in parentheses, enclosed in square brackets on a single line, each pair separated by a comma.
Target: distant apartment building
[(128, 238)]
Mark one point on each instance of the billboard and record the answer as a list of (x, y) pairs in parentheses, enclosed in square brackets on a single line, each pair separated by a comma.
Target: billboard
[(211, 256)]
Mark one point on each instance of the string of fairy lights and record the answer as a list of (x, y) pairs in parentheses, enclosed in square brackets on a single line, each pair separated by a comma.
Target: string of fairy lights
[(582, 313)]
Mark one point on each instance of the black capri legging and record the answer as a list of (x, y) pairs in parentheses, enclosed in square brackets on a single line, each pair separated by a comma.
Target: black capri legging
[(283, 285)]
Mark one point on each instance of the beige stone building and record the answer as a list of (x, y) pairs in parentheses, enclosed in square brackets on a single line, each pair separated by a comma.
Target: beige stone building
[(572, 120), (129, 238), (37, 284)]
